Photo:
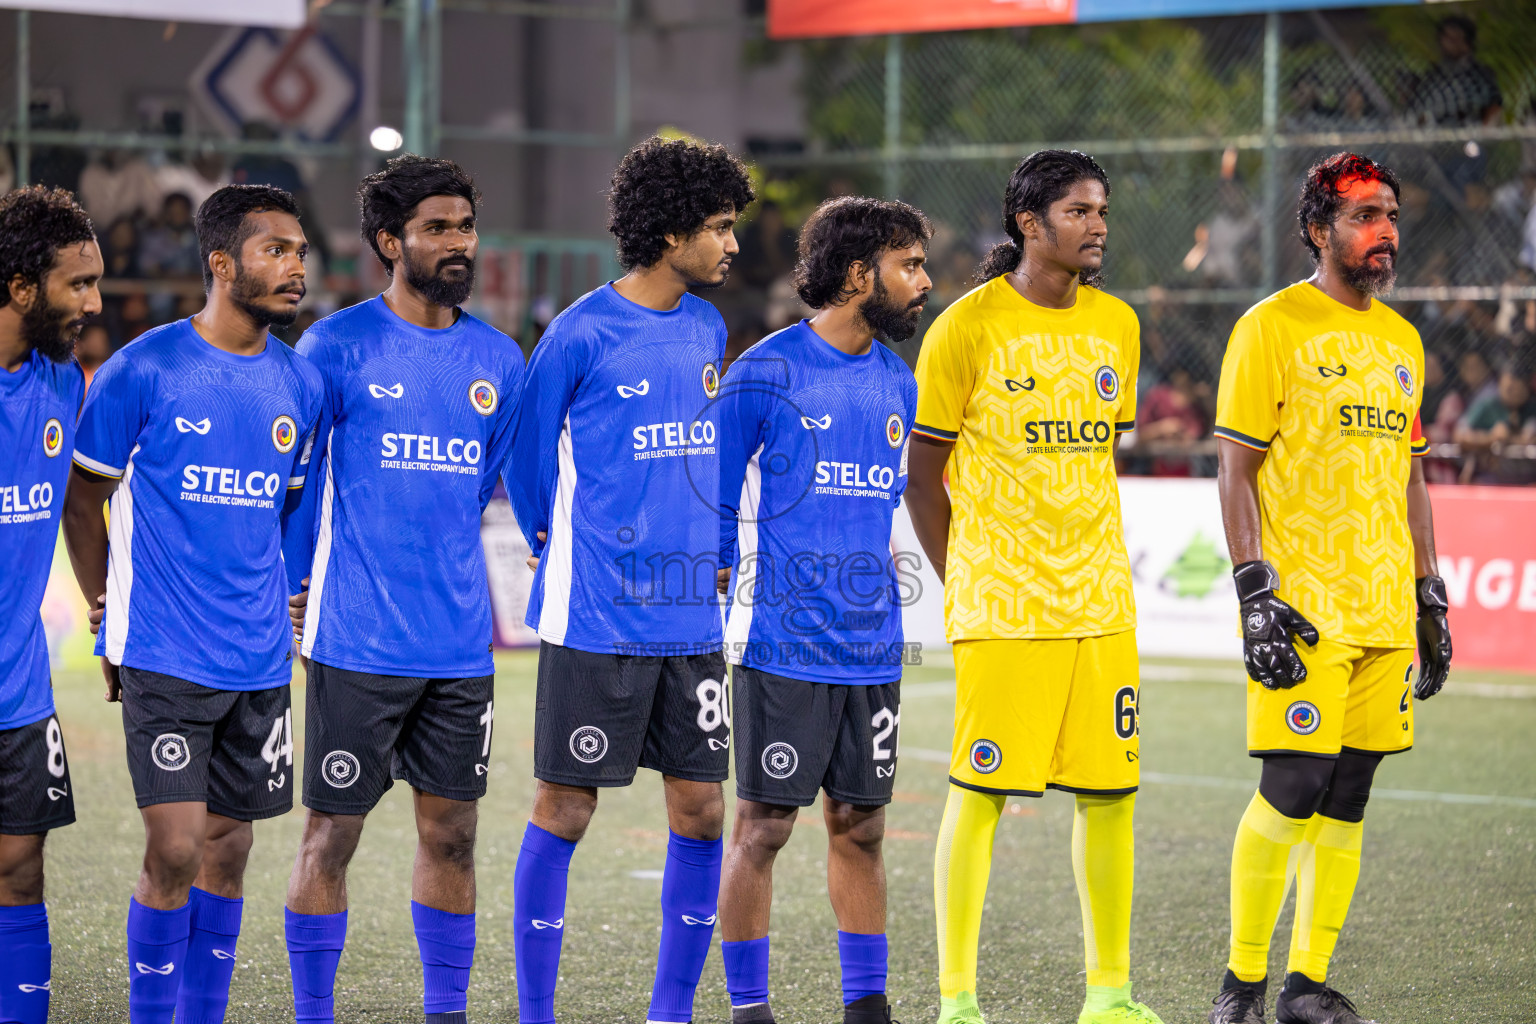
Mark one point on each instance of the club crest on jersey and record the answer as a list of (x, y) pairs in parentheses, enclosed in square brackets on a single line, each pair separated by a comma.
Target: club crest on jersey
[(895, 430), (986, 756), (780, 760), (483, 397), (1107, 383), (53, 438), (1404, 379), (170, 752), (340, 768), (285, 434), (1303, 717), (588, 744), (711, 380)]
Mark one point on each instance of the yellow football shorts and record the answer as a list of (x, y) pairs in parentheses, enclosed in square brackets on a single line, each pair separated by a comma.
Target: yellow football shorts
[(1038, 714), (1354, 698)]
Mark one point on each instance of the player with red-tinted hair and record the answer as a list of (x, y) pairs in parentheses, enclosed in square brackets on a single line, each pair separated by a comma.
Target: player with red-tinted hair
[(1328, 523)]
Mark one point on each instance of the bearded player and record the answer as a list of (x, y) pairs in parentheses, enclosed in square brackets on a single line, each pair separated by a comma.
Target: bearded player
[(1024, 386), (395, 625), (49, 267), (815, 421), (1328, 522)]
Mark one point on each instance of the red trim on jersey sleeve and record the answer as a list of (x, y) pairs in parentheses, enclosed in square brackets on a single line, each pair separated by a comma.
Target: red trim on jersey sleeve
[(1417, 443)]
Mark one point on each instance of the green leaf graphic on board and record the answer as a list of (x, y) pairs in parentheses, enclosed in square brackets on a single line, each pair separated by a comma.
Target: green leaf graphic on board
[(1197, 568)]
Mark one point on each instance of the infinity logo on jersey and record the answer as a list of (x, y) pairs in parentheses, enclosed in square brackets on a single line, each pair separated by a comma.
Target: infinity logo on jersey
[(1303, 717), (1328, 371), (340, 768), (381, 392), (188, 427), (986, 756), (1107, 383), (285, 434), (895, 430), (53, 437), (825, 423), (703, 922), (588, 744), (644, 388), (170, 752), (483, 396), (1027, 384), (780, 760), (711, 379), (1404, 379)]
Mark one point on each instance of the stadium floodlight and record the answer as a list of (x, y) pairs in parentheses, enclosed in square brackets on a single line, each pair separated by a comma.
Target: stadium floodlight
[(385, 139)]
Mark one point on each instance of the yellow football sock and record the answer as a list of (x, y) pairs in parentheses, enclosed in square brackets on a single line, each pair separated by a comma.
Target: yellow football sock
[(1103, 859), (1326, 874), (1265, 839), (961, 865)]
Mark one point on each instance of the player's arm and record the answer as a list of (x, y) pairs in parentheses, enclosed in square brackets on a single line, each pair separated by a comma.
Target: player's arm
[(1247, 419), (533, 463), (498, 446), (743, 425), (85, 538), (1434, 633), (946, 376)]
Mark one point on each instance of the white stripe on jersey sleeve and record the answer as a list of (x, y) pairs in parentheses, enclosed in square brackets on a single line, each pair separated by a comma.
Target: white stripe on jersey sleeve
[(119, 563), (99, 468), (738, 628), (322, 558), (555, 609)]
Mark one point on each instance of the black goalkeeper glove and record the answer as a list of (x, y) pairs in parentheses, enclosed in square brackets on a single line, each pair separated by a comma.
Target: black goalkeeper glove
[(1434, 637), (1268, 624)]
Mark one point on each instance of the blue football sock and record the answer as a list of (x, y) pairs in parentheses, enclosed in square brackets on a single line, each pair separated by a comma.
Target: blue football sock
[(210, 960), (864, 959), (26, 966), (538, 920), (746, 970), (157, 950), (690, 892), (447, 945), (315, 942)]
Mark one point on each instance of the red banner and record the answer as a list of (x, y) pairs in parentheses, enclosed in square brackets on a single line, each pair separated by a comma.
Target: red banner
[(793, 19), (1486, 541)]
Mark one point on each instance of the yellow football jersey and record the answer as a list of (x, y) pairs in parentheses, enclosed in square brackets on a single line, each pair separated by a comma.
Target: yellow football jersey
[(1332, 395), (1032, 399)]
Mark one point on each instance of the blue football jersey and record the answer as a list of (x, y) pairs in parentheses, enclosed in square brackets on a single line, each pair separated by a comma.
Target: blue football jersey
[(207, 444), (813, 463), (416, 426), (38, 406), (615, 459)]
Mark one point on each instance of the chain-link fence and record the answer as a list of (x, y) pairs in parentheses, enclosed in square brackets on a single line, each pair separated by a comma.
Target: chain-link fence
[(1206, 129)]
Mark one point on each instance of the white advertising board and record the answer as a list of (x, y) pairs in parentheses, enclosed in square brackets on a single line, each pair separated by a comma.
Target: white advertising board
[(272, 13)]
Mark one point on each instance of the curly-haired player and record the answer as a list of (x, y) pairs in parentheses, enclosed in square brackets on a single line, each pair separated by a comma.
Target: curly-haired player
[(815, 424), (49, 266), (614, 479), (1329, 527)]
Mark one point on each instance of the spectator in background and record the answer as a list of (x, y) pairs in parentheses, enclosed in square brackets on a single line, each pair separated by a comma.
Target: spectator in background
[(1443, 403), (93, 348), (1477, 380), (119, 184), (120, 250), (1460, 90), (1176, 410), (767, 248), (1507, 416), (169, 246)]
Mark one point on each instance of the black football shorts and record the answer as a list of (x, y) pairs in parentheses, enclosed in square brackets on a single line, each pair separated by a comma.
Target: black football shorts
[(34, 779), (362, 731), (598, 717), (230, 749), (795, 738)]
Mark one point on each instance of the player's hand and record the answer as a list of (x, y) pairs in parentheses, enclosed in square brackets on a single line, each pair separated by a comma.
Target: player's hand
[(297, 603), (533, 560), (1268, 625), (723, 580), (95, 615), (1434, 637), (110, 671)]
